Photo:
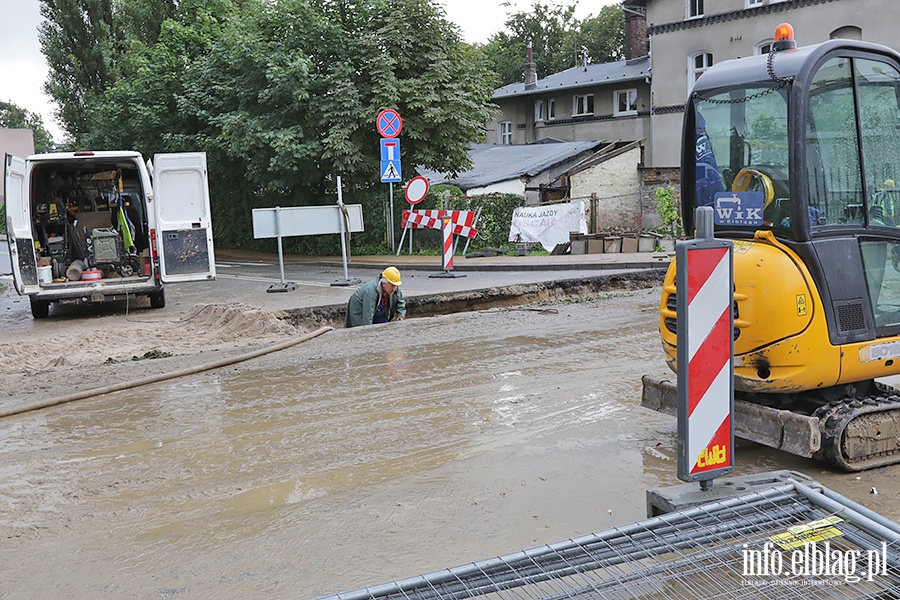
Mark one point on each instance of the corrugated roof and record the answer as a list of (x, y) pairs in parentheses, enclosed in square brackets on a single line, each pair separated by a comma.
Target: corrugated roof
[(576, 77), (496, 163)]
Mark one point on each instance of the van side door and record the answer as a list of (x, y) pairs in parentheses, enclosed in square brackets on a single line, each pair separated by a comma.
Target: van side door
[(18, 227), (183, 221)]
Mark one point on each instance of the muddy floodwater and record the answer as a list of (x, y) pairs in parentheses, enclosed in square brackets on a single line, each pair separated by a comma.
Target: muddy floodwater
[(360, 456)]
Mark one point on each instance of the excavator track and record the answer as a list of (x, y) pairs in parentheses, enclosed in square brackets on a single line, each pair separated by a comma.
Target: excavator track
[(861, 433), (852, 434)]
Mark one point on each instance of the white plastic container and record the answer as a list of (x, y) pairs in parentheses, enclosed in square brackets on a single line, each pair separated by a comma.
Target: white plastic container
[(45, 274)]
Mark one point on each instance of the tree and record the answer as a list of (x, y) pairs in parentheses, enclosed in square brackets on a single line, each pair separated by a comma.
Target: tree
[(559, 40), (16, 117), (84, 42), (603, 36), (283, 97)]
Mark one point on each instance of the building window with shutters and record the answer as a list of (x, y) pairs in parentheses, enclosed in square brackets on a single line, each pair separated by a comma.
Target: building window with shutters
[(583, 105)]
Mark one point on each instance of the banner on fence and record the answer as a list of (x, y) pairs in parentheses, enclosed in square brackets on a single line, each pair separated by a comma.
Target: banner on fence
[(550, 225)]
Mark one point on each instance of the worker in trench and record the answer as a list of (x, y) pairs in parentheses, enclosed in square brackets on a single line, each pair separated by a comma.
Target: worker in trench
[(378, 301)]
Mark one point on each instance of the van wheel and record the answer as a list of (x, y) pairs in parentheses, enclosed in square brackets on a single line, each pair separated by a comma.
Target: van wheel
[(40, 309), (158, 299)]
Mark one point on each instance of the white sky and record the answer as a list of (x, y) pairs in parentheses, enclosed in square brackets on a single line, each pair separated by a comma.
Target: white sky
[(23, 69)]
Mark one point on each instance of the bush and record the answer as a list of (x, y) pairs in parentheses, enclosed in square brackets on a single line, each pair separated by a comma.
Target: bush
[(495, 219), (667, 209)]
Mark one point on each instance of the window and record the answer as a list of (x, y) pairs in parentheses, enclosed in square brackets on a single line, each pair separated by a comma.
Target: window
[(698, 64), (843, 189), (742, 145), (752, 3), (763, 47), (694, 9), (506, 133), (583, 105), (625, 102), (539, 111), (551, 109)]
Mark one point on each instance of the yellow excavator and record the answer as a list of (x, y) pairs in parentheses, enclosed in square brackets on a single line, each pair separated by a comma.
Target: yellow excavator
[(797, 152)]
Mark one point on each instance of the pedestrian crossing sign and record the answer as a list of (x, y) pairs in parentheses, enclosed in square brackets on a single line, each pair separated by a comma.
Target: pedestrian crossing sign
[(390, 171)]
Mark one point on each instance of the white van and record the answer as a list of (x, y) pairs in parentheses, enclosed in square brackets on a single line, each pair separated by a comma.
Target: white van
[(88, 227)]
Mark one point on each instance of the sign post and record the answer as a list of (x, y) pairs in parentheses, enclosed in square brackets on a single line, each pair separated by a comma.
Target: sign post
[(704, 288), (290, 221), (345, 230), (416, 190), (389, 125), (447, 255)]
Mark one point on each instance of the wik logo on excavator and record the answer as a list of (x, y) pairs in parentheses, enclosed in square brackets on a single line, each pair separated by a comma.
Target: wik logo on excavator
[(739, 208)]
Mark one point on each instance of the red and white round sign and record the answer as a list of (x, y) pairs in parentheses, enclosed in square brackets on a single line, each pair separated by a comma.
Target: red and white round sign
[(416, 189)]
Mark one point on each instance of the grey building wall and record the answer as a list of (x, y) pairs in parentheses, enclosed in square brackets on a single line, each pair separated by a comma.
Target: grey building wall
[(731, 29), (18, 142), (517, 106)]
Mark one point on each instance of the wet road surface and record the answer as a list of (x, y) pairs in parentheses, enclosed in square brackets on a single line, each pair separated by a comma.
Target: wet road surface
[(358, 457)]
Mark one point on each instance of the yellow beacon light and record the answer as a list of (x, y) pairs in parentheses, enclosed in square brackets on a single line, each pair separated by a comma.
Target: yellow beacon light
[(784, 37)]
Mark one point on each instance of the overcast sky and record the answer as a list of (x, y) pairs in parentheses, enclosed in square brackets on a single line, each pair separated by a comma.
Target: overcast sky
[(23, 69)]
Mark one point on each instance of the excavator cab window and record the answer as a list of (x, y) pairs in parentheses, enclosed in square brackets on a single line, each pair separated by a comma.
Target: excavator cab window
[(853, 147), (742, 146)]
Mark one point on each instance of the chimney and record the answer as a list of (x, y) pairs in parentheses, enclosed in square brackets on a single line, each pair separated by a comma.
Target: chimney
[(530, 70), (635, 33)]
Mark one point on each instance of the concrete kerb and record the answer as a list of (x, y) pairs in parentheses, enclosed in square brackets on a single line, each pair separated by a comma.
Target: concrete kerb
[(429, 305)]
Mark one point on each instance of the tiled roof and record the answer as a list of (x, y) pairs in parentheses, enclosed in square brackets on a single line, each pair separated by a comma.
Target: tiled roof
[(496, 163), (584, 76)]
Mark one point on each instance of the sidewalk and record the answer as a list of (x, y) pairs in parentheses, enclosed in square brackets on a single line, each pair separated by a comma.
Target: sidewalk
[(563, 262)]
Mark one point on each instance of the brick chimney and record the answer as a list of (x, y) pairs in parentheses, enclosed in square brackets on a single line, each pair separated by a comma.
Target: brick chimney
[(530, 70), (635, 33)]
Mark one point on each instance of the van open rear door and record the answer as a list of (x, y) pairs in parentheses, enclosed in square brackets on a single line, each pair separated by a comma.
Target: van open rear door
[(18, 227), (183, 223)]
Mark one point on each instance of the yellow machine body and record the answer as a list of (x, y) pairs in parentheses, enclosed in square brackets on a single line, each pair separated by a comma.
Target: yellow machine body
[(782, 343)]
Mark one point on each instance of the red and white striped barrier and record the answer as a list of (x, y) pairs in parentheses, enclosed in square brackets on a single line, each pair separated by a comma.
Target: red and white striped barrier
[(705, 363), (447, 263), (463, 220)]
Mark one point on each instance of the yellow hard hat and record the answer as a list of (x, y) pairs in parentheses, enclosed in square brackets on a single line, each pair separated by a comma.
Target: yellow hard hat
[(392, 275), (888, 183)]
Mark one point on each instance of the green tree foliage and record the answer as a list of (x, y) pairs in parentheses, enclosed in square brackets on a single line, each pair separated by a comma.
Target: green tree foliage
[(283, 97), (559, 40), (16, 117), (84, 42), (604, 35)]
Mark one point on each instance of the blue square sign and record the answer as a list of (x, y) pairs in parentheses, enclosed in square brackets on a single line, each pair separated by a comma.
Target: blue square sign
[(742, 209)]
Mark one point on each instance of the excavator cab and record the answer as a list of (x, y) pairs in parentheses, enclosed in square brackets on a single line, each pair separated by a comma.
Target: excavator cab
[(797, 151)]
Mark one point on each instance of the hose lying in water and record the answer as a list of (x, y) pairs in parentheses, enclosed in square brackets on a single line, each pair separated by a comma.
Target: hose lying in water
[(125, 385)]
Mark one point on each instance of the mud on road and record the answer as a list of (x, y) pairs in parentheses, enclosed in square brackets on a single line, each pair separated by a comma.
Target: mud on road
[(360, 456)]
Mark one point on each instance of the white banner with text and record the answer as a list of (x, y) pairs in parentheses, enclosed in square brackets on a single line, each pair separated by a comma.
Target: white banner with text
[(550, 225)]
